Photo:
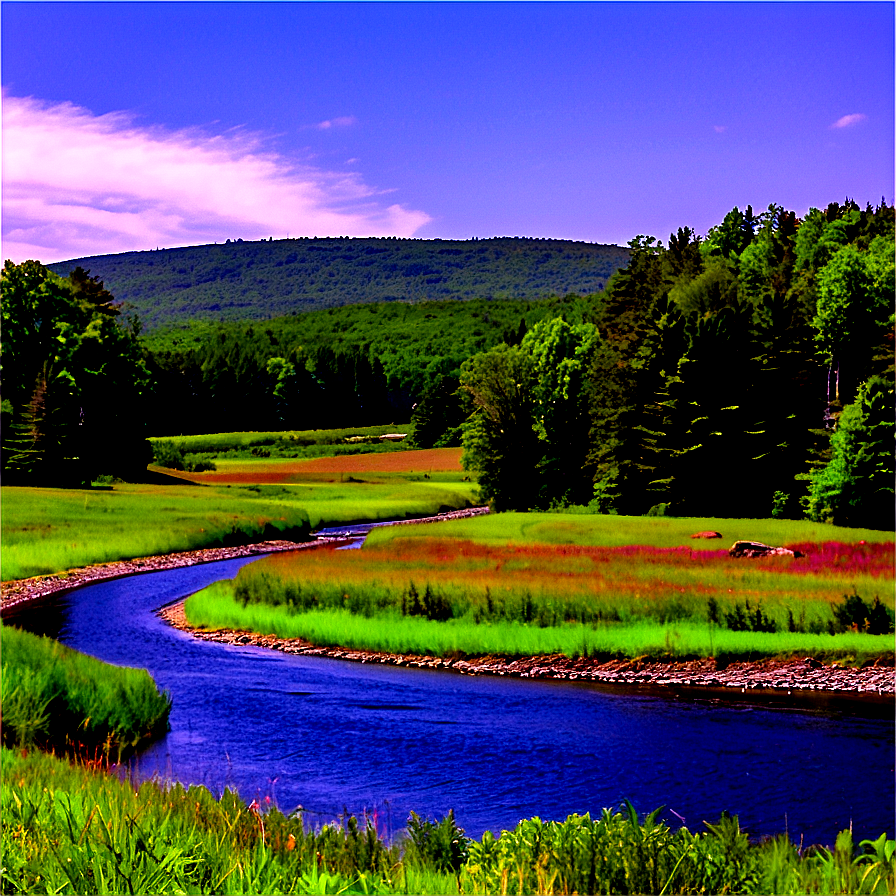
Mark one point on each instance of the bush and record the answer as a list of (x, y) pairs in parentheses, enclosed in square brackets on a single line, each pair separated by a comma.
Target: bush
[(168, 454), (855, 614)]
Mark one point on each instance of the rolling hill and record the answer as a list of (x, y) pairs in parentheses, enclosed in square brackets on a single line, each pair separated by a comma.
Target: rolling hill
[(260, 280)]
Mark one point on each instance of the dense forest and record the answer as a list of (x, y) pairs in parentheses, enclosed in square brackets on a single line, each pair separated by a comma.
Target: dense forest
[(240, 280), (745, 373)]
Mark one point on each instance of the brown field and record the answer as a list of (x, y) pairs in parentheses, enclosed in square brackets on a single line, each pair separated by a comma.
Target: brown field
[(274, 472)]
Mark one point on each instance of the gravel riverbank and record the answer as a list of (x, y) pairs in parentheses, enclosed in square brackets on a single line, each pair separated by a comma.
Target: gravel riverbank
[(803, 674)]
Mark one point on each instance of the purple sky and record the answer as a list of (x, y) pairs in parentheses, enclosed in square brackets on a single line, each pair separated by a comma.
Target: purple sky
[(131, 126)]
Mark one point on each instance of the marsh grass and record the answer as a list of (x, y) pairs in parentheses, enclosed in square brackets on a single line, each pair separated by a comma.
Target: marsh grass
[(421, 592), (60, 699), (70, 829)]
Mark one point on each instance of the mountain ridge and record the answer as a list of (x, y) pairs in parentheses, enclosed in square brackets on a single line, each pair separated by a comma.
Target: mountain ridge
[(257, 280)]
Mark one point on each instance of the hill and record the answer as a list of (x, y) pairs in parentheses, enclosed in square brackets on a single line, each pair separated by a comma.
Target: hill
[(259, 280)]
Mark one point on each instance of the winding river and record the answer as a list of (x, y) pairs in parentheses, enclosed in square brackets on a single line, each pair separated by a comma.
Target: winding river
[(330, 735)]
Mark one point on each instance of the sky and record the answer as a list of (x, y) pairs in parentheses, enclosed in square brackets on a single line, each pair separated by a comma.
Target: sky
[(152, 125)]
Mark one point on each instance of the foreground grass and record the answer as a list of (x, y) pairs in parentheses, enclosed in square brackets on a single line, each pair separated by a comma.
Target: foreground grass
[(60, 699), (73, 829)]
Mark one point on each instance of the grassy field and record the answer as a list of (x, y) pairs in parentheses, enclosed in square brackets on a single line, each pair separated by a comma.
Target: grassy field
[(511, 584), (51, 530), (73, 829)]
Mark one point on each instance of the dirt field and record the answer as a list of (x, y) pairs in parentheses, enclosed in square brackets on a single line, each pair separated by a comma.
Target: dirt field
[(272, 472)]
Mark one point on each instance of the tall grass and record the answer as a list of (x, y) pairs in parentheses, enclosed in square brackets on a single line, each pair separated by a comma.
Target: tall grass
[(73, 830), (57, 698), (216, 607)]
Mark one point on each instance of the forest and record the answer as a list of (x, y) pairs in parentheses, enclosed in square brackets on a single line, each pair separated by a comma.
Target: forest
[(745, 373), (240, 280)]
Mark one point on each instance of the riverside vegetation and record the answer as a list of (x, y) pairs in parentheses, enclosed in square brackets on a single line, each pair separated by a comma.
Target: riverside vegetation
[(625, 587)]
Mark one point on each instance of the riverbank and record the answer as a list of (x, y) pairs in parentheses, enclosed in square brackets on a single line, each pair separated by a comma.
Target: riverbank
[(803, 674), (19, 591)]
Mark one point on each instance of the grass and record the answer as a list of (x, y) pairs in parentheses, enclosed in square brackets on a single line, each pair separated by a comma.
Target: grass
[(73, 829), (618, 531), (420, 590), (51, 530), (60, 699)]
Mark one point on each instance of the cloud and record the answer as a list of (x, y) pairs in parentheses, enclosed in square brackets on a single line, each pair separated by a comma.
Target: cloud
[(344, 122), (847, 121), (720, 128), (77, 184)]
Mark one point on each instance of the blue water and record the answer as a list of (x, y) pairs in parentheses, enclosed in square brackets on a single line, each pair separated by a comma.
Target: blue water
[(331, 735)]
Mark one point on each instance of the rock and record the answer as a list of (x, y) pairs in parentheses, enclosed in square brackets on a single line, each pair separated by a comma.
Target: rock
[(707, 535), (758, 549)]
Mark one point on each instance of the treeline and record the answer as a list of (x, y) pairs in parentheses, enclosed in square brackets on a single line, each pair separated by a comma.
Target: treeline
[(259, 280), (747, 374), (357, 365)]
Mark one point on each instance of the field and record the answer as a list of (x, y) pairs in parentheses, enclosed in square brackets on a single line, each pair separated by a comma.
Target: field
[(285, 471), (51, 530), (512, 584)]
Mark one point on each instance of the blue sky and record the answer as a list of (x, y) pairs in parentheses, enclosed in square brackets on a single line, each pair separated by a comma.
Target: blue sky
[(131, 125)]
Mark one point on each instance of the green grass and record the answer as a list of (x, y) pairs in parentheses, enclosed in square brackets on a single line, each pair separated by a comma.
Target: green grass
[(60, 699), (72, 829), (617, 531), (51, 530), (216, 607), (235, 444)]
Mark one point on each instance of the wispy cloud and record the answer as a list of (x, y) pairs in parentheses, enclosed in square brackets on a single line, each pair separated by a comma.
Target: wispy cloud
[(77, 184), (720, 128), (847, 121), (345, 121)]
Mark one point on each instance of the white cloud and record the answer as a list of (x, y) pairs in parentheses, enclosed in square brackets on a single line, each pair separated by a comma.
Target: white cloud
[(77, 184), (344, 122), (720, 128), (847, 121)]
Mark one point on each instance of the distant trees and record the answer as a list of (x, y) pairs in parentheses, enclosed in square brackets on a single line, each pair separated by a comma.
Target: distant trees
[(73, 380)]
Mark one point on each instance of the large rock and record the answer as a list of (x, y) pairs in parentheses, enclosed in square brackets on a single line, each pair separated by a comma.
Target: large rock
[(707, 535), (758, 549)]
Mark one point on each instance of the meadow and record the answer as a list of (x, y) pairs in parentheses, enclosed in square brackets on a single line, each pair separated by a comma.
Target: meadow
[(512, 585), (75, 829), (51, 530)]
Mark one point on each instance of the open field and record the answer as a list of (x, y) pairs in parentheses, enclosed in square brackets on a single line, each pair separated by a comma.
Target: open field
[(422, 591), (617, 531), (73, 829), (51, 530)]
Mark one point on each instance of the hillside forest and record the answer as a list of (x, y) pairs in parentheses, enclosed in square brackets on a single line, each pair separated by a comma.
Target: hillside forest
[(746, 373)]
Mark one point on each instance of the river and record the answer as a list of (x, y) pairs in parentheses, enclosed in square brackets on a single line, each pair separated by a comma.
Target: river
[(330, 735)]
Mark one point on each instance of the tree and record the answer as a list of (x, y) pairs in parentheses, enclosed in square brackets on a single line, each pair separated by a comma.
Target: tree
[(74, 378), (855, 488), (499, 438)]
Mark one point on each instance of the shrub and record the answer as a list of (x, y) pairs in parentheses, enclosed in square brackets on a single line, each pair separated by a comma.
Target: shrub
[(855, 614), (168, 454)]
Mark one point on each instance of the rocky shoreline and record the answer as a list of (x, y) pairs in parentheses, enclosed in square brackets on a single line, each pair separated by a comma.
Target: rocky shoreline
[(803, 674)]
